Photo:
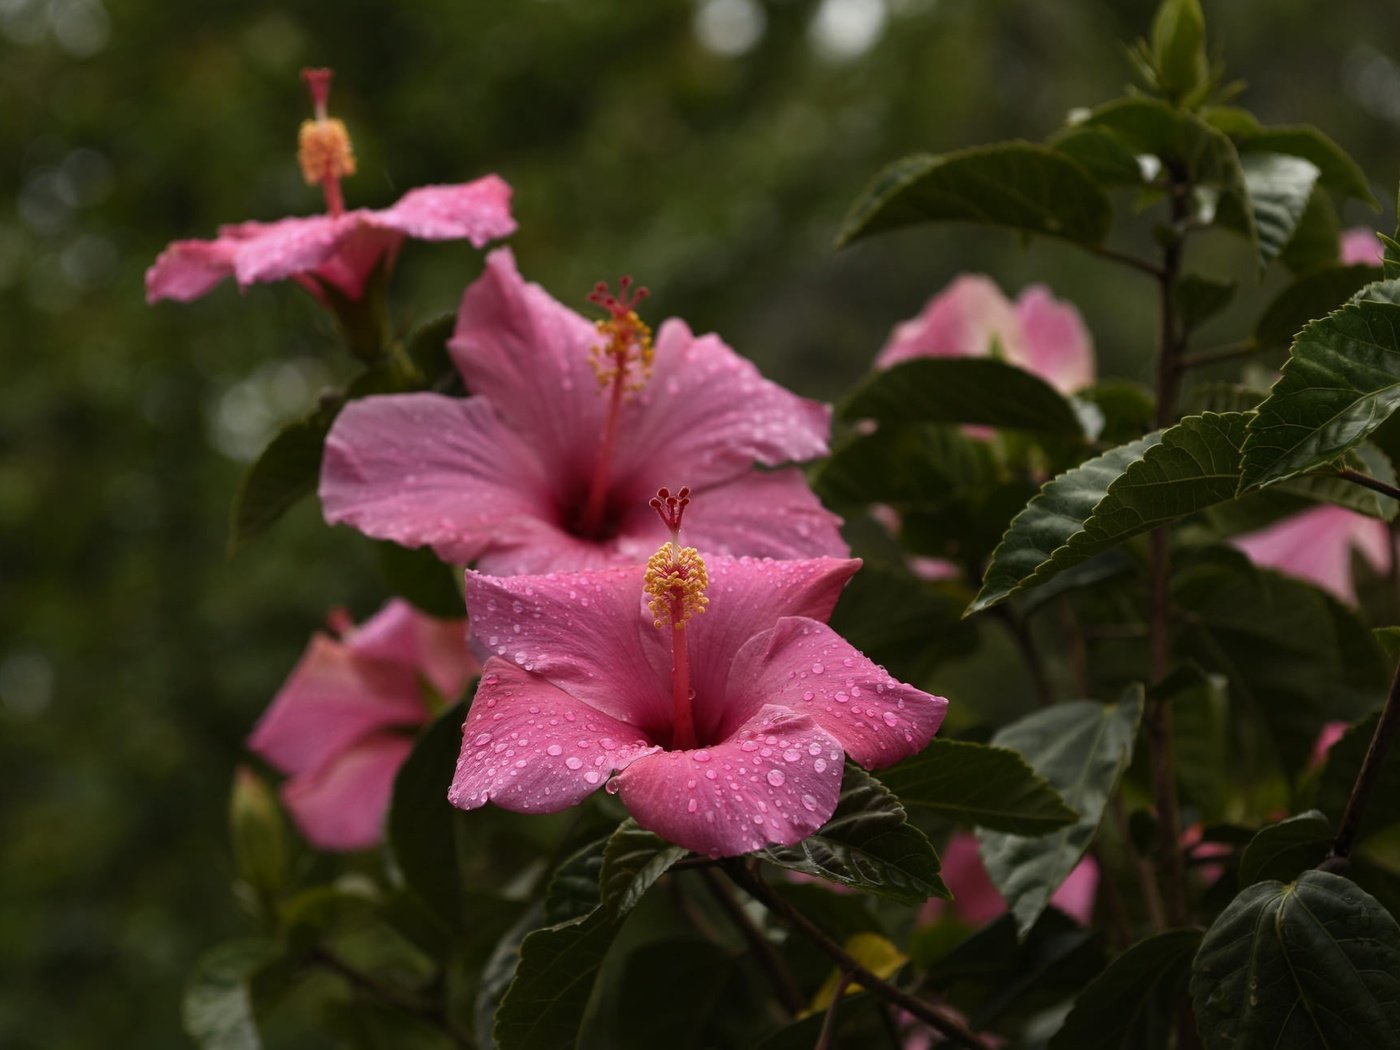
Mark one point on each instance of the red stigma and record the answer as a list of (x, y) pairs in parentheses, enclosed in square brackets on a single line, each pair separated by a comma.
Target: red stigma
[(318, 82), (621, 304), (670, 508)]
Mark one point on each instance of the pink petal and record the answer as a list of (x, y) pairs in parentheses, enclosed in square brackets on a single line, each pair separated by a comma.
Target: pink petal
[(977, 901), (760, 786), (1077, 893), (332, 698), (477, 211), (188, 269), (529, 355), (961, 321), (1315, 545), (1058, 348), (805, 665), (437, 649), (529, 746), (1361, 246), (588, 633), (766, 514), (274, 251), (342, 805), (423, 469), (351, 260), (1330, 733), (708, 413)]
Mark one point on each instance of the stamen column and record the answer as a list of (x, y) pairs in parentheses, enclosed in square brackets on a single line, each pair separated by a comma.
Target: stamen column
[(676, 579)]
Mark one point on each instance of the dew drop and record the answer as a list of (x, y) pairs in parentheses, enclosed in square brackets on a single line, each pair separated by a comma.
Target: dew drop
[(554, 749), (574, 762), (702, 755), (819, 765), (776, 777), (817, 668)]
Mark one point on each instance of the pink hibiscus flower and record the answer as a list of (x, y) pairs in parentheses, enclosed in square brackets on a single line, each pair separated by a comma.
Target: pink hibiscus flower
[(726, 731), (1361, 246), (977, 901), (338, 250), (1042, 334), (343, 722), (1316, 546), (571, 428)]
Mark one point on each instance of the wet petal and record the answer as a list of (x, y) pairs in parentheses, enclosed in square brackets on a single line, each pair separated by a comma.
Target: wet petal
[(529, 355), (530, 747), (274, 251), (351, 260), (805, 665), (437, 649), (709, 413), (770, 514), (341, 806), (188, 269), (423, 469), (741, 794), (961, 321), (1057, 346), (333, 697), (477, 211), (588, 633)]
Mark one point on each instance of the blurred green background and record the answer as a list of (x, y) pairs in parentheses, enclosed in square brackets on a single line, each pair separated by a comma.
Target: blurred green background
[(708, 146)]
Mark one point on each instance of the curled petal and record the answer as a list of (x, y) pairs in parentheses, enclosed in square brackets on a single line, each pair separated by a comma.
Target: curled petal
[(775, 781), (529, 746), (1316, 544), (806, 666), (428, 470), (341, 805), (1058, 348), (188, 269), (437, 648), (477, 212)]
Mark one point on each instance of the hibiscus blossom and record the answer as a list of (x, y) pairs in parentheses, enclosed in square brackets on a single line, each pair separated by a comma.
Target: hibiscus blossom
[(972, 318), (338, 250), (343, 722), (572, 426), (712, 688), (1316, 546), (1361, 246)]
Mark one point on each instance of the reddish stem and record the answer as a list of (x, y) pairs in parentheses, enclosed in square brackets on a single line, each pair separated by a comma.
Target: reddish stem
[(598, 488), (335, 200), (683, 716)]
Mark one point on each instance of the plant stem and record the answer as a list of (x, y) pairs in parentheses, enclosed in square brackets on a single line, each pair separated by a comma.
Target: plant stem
[(934, 1016), (1171, 871), (829, 1021), (789, 995), (1386, 730), (1368, 482), (1220, 353), (1035, 666), (399, 999), (1123, 259)]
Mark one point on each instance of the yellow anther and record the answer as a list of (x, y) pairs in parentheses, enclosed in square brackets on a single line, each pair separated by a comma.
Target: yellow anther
[(626, 341), (675, 581), (324, 151)]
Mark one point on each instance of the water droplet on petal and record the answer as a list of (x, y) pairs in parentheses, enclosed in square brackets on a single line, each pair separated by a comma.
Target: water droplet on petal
[(554, 749), (574, 762), (776, 777)]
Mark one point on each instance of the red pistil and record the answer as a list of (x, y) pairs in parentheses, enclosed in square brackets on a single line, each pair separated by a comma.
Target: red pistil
[(671, 509)]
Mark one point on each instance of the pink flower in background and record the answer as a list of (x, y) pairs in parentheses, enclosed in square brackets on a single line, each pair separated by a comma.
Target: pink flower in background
[(340, 249), (726, 731), (343, 722), (1316, 546), (1042, 334), (1361, 246), (572, 426), (977, 902)]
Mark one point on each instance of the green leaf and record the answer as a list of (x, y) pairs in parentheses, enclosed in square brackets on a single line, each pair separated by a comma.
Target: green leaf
[(259, 837), (1389, 640), (285, 472), (426, 348), (868, 845), (1101, 153), (708, 1014), (1309, 297), (1082, 749), (420, 576), (1314, 963), (1341, 382), (1279, 189), (1198, 299), (544, 1006), (963, 390), (1126, 491), (1324, 486), (218, 1004), (1128, 409), (1344, 761), (422, 825), (1283, 850), (1016, 185), (906, 466), (1316, 242), (632, 862), (1179, 49), (1200, 740), (1132, 1004), (1336, 168), (975, 784)]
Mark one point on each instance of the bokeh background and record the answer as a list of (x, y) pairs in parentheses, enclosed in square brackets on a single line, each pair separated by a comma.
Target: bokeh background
[(708, 146)]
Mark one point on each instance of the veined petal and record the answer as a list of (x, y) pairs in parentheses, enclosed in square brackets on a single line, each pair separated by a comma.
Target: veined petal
[(1057, 346), (529, 746), (437, 649), (776, 780), (529, 355), (331, 698), (424, 469), (805, 665), (477, 211), (766, 514), (711, 412), (587, 633), (961, 321), (341, 805)]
